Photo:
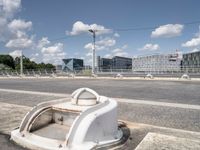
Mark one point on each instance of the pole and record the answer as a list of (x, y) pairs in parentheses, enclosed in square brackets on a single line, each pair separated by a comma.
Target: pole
[(21, 64), (93, 52)]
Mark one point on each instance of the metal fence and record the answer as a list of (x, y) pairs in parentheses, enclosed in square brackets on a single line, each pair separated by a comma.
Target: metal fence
[(191, 71)]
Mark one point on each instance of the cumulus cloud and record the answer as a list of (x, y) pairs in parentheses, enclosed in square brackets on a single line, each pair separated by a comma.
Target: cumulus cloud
[(15, 53), (13, 32), (18, 24), (80, 27), (51, 53), (58, 47), (43, 42), (192, 43), (20, 43), (7, 10), (195, 50), (101, 44), (167, 31), (119, 52), (18, 34), (150, 47), (9, 7)]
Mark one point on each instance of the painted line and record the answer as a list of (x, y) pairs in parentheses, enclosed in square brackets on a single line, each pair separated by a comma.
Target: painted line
[(35, 93), (109, 78), (131, 101), (155, 103), (135, 125)]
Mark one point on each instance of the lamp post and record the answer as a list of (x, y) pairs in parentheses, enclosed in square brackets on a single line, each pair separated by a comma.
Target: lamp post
[(21, 64), (93, 50)]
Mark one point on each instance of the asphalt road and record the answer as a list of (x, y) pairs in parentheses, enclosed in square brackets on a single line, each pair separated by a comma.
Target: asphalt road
[(186, 92)]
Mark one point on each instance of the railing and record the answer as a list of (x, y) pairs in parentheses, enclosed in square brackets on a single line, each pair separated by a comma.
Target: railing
[(194, 71)]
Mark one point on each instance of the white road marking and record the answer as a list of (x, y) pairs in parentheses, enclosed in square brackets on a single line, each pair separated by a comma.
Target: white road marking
[(155, 103), (35, 93), (131, 101), (135, 125)]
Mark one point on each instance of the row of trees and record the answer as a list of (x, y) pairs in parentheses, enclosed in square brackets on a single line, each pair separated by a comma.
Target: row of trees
[(14, 64)]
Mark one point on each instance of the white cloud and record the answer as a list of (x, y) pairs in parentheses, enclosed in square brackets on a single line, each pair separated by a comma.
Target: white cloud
[(107, 56), (116, 35), (7, 10), (15, 53), (52, 53), (195, 50), (192, 43), (107, 42), (43, 42), (101, 44), (58, 47), (9, 7), (80, 27), (150, 47), (20, 43), (122, 54), (14, 32), (18, 24), (169, 30), (117, 50), (3, 29)]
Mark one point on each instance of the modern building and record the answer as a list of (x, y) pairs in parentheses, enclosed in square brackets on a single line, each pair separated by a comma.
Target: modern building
[(157, 62), (72, 64), (115, 63), (191, 62), (104, 64), (121, 62)]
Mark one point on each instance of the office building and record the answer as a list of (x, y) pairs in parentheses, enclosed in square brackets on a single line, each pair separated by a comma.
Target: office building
[(115, 63), (104, 64), (121, 62), (191, 62), (157, 62), (72, 64)]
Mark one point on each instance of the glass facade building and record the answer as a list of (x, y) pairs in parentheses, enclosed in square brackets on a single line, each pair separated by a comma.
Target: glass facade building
[(115, 63), (72, 64), (121, 63), (191, 62)]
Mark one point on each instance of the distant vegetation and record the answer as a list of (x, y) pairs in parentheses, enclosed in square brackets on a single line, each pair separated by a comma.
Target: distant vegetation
[(7, 62)]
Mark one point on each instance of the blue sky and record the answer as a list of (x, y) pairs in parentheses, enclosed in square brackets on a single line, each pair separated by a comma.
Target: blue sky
[(33, 26)]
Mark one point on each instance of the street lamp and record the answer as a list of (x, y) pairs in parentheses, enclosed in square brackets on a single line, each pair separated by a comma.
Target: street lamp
[(93, 50), (21, 64)]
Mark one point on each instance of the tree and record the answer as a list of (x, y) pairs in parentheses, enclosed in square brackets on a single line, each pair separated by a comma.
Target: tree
[(31, 65), (7, 60)]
